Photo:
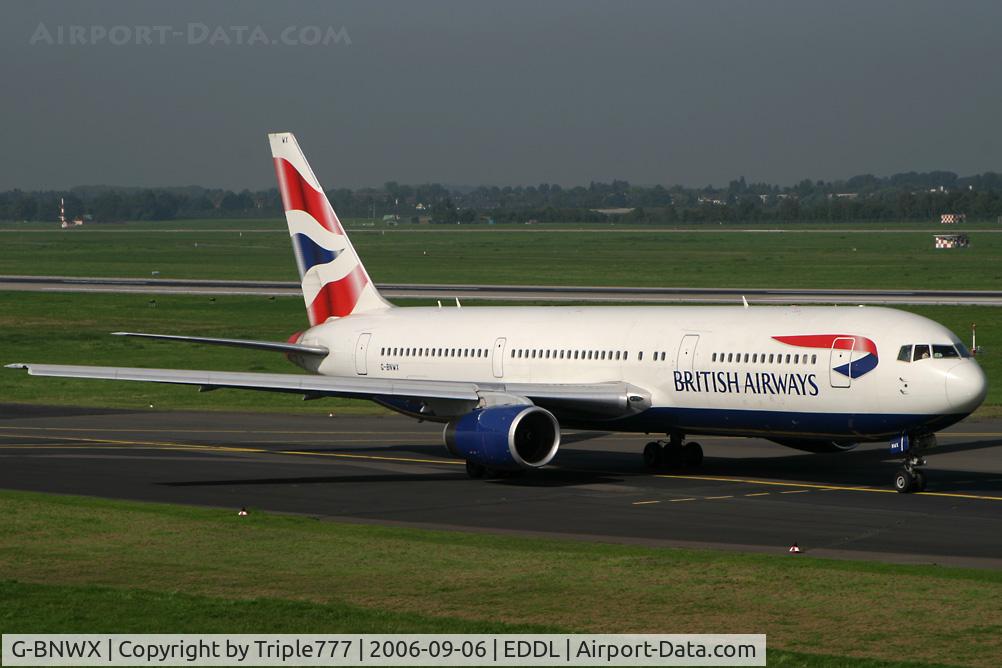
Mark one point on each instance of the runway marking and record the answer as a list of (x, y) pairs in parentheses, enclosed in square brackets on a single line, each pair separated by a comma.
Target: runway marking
[(710, 498), (216, 431), (377, 457), (677, 500), (759, 494), (796, 491), (644, 503), (840, 488), (154, 444)]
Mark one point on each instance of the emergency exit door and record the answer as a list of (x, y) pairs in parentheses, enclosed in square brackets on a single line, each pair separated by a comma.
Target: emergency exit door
[(497, 360)]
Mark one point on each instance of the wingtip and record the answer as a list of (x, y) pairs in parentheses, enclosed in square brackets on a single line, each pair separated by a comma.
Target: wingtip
[(16, 365)]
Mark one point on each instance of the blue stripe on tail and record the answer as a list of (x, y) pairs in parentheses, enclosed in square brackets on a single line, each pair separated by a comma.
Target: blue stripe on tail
[(309, 253)]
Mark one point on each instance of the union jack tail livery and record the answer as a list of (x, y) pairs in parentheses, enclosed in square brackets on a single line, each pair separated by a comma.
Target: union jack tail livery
[(335, 283)]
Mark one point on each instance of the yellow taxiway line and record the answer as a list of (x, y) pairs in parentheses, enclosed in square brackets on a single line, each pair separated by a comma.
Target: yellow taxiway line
[(809, 486)]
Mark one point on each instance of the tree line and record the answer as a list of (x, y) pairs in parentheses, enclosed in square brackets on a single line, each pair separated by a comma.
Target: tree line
[(906, 196)]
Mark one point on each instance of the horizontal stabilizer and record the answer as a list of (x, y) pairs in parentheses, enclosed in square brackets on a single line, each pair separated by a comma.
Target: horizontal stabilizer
[(275, 346)]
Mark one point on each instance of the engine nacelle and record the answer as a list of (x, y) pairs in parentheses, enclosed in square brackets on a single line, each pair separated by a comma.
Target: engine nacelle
[(504, 438), (815, 446)]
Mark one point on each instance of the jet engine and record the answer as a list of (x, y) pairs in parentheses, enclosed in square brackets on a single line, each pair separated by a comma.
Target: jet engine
[(504, 438), (815, 446)]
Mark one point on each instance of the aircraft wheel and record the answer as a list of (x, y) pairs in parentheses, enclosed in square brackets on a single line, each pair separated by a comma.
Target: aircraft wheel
[(919, 482), (693, 454), (904, 481), (653, 455), (475, 470)]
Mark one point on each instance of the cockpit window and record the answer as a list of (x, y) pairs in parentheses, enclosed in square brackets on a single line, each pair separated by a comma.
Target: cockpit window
[(962, 349), (905, 354), (921, 353), (940, 352)]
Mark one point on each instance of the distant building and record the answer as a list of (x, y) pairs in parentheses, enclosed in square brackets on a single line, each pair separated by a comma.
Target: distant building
[(952, 218), (621, 211), (952, 241), (76, 222)]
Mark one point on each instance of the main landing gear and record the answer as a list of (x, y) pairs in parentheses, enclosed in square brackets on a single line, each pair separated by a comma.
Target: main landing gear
[(910, 478), (672, 453)]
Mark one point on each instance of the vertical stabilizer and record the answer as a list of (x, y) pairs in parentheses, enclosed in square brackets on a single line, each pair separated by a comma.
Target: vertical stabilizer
[(335, 283)]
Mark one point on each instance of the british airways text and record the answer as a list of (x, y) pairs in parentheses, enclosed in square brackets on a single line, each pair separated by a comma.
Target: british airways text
[(732, 382)]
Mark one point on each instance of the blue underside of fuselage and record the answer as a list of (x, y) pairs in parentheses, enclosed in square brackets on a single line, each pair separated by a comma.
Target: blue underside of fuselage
[(778, 424), (765, 424)]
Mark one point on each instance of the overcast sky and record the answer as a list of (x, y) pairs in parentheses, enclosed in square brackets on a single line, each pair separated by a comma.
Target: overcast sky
[(498, 93)]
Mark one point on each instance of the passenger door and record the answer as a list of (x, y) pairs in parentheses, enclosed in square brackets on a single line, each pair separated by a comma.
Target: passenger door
[(361, 352), (687, 352), (840, 359)]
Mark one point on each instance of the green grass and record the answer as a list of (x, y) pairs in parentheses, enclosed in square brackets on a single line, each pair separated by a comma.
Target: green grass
[(65, 328), (75, 564), (596, 255)]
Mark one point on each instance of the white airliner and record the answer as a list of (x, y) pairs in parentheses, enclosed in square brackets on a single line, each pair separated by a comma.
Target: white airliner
[(506, 379)]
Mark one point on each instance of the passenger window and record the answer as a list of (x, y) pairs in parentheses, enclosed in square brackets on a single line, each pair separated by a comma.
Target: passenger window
[(787, 359), (921, 353), (754, 358), (640, 356), (940, 352), (770, 359), (796, 359), (730, 357), (814, 359), (746, 358)]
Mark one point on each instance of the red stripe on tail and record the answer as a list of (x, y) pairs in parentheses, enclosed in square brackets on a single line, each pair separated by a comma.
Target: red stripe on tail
[(299, 195), (338, 298)]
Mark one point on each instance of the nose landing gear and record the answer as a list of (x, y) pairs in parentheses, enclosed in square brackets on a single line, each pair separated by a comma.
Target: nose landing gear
[(672, 453), (910, 478)]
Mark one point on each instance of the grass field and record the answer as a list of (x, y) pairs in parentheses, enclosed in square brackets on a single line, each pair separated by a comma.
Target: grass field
[(61, 328), (93, 565), (598, 255)]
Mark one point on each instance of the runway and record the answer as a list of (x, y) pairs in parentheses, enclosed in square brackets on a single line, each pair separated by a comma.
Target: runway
[(749, 495), (515, 293)]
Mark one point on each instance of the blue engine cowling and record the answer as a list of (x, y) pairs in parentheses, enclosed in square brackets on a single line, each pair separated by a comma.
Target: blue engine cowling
[(504, 438)]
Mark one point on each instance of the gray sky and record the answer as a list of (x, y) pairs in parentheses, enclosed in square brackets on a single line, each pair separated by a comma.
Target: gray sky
[(499, 92)]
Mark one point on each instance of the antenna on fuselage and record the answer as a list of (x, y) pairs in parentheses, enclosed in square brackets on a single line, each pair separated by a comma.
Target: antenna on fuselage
[(744, 301), (458, 305), (440, 303)]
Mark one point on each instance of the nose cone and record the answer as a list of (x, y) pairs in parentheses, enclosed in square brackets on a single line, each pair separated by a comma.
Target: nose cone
[(966, 386)]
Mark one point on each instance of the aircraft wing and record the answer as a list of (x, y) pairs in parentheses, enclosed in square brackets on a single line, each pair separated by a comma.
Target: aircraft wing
[(608, 399)]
